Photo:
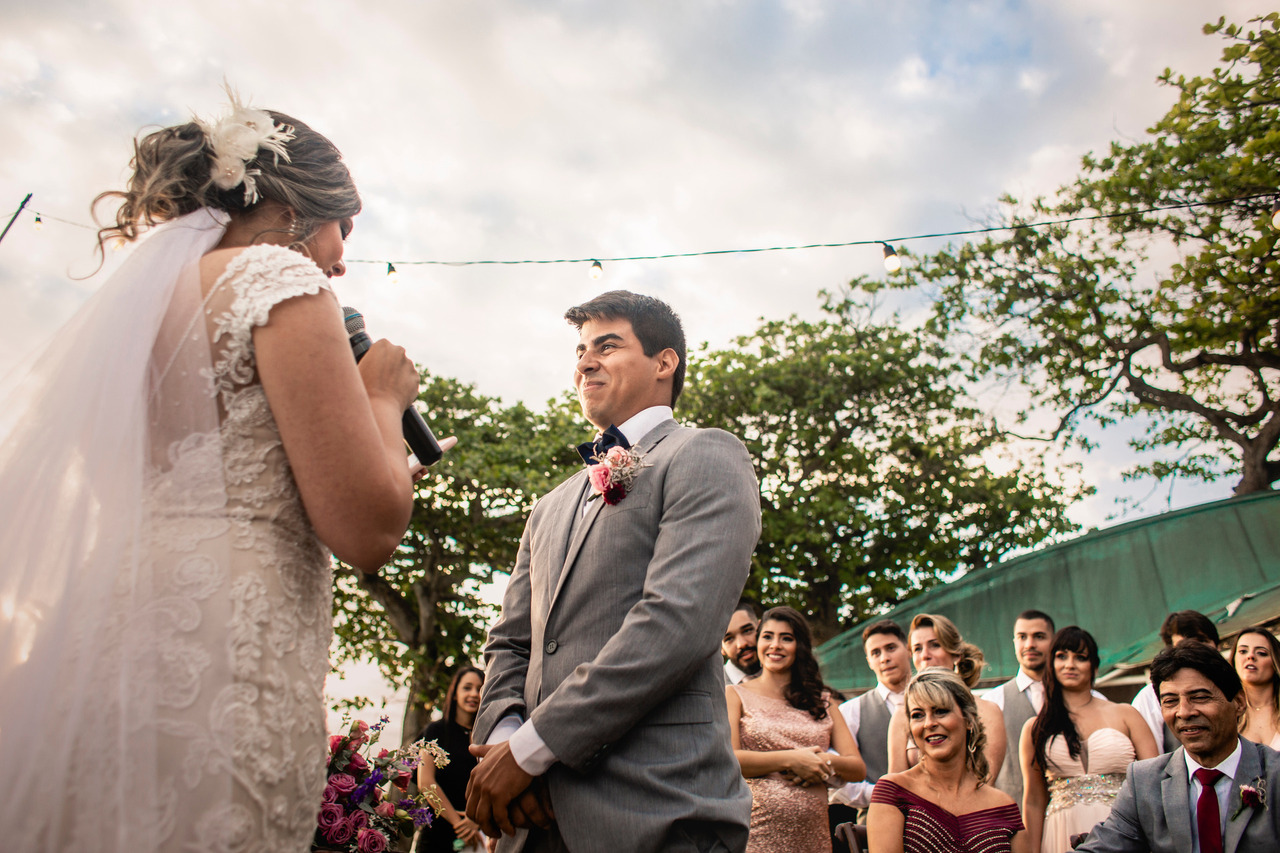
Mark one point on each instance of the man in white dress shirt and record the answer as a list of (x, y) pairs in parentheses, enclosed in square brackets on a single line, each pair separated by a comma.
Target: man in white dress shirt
[(1021, 698), (1213, 794), (1178, 626), (739, 643), (868, 716)]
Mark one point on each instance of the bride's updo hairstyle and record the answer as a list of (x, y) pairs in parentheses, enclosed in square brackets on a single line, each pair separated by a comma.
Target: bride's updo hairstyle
[(173, 175), (970, 661)]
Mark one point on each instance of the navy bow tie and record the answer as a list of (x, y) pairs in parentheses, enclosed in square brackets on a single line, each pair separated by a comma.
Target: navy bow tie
[(593, 451)]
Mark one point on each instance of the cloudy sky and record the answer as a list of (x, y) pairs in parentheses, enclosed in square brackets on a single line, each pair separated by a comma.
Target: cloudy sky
[(511, 130)]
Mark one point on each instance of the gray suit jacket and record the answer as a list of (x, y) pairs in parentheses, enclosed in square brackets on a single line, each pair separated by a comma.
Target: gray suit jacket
[(609, 640), (1153, 810)]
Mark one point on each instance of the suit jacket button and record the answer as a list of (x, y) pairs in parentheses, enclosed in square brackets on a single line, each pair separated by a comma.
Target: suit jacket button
[(552, 645)]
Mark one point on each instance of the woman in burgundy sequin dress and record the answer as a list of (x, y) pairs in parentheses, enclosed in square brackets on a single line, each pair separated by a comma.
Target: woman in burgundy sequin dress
[(783, 722), (944, 804)]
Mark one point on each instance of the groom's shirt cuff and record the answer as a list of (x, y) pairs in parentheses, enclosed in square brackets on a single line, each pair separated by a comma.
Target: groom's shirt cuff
[(527, 747)]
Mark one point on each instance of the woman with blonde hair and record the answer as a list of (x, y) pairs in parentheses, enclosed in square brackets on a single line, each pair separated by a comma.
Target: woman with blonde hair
[(945, 803), (935, 641), (1255, 653), (176, 468)]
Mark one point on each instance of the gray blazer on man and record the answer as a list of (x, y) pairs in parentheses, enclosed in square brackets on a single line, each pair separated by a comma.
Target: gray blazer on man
[(609, 640), (1153, 810)]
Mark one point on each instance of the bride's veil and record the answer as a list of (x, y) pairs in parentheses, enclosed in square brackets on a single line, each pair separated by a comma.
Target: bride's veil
[(84, 426)]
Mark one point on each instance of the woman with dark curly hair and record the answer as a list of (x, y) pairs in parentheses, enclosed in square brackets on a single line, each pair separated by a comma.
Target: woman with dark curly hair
[(1076, 752), (944, 804), (1255, 654), (783, 722)]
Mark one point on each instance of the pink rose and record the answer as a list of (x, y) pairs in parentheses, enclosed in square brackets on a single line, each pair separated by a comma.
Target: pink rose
[(383, 753), (343, 783), (340, 833), (331, 815), (371, 841), (599, 477), (334, 742), (401, 780), (616, 454), (385, 809), (357, 763)]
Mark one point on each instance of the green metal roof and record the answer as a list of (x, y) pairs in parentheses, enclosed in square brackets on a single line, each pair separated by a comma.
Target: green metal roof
[(1118, 584)]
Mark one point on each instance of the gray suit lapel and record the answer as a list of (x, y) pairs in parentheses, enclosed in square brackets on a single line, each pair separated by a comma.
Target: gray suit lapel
[(1175, 795), (1249, 769), (594, 508)]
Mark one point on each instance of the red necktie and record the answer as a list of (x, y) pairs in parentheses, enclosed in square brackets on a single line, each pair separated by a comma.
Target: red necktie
[(1208, 818)]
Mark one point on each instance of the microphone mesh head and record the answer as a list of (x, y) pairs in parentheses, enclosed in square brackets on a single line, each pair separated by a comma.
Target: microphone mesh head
[(353, 319)]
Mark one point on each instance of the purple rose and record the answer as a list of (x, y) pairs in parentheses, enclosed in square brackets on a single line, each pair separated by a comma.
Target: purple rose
[(331, 814), (341, 833), (330, 794), (371, 841), (343, 783), (359, 820)]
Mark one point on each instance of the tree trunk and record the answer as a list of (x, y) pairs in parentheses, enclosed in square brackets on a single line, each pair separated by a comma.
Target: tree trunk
[(416, 713), (1259, 473)]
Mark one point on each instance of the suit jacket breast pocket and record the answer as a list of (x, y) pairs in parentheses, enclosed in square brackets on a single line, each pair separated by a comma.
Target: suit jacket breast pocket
[(638, 498)]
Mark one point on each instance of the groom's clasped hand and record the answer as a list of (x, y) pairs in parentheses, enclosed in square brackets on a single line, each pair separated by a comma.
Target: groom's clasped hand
[(501, 796)]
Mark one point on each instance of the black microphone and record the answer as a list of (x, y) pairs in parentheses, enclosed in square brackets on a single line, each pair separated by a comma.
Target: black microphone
[(416, 432)]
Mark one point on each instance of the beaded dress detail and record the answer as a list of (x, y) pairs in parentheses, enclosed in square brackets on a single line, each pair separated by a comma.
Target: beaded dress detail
[(1079, 800), (784, 816), (929, 828)]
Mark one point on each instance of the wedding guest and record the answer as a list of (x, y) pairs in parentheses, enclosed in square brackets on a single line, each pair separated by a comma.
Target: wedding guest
[(1211, 794), (1021, 697), (1074, 753), (782, 723), (1255, 654), (174, 476), (453, 733), (935, 641), (943, 804), (739, 643), (1178, 626), (868, 716)]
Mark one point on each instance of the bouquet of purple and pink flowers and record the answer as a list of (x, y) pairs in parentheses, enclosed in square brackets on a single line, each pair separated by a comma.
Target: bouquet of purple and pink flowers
[(366, 807)]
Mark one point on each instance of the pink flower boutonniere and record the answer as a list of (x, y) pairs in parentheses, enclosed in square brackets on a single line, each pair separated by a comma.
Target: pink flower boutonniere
[(1252, 796), (614, 473)]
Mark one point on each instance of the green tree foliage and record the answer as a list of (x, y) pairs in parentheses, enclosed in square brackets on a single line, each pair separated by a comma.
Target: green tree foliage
[(1168, 318), (420, 617), (877, 478)]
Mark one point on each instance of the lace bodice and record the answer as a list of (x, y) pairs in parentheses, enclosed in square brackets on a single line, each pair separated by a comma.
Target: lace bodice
[(243, 591)]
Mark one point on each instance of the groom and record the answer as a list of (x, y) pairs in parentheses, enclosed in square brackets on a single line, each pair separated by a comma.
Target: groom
[(603, 709), (1215, 793)]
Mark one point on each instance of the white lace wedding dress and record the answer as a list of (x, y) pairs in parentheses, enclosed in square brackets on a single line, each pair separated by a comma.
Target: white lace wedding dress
[(209, 651)]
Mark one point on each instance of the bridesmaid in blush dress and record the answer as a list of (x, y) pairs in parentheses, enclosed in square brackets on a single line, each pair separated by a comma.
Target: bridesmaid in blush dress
[(1076, 753), (944, 803), (783, 722)]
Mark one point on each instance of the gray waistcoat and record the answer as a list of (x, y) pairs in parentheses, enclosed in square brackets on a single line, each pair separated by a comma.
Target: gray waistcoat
[(873, 734), (1017, 710)]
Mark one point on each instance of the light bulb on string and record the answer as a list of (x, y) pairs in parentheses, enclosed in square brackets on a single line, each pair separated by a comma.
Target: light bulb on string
[(892, 262), (392, 275), (38, 224), (597, 270), (1275, 214)]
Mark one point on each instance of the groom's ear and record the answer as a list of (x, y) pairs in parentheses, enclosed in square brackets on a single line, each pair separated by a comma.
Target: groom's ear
[(668, 360)]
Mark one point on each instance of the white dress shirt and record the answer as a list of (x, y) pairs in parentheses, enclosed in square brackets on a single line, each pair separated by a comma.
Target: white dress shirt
[(1027, 686), (733, 673), (858, 794), (1148, 705), (1228, 769), (527, 747)]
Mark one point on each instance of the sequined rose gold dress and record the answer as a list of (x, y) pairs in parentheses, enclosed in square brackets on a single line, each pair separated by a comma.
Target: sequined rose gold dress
[(785, 818), (1081, 798)]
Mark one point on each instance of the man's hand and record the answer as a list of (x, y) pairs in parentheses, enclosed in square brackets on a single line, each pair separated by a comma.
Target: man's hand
[(495, 782)]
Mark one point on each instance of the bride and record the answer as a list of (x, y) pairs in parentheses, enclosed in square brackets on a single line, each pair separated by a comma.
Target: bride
[(1076, 752), (175, 468)]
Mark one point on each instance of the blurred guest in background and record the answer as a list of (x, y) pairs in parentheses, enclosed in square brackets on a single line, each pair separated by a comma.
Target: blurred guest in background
[(453, 733), (1255, 653), (1178, 626), (739, 643), (782, 723)]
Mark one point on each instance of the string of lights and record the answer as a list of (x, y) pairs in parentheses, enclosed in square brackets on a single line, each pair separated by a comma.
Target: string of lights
[(892, 261)]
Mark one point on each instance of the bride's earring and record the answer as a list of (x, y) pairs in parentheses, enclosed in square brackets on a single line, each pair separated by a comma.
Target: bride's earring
[(971, 741)]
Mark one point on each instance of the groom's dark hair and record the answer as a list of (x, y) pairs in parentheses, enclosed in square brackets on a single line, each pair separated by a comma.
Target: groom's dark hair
[(1191, 654), (656, 326)]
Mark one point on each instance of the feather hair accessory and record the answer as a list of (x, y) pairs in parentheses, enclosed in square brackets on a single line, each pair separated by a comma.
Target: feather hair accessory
[(237, 138)]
